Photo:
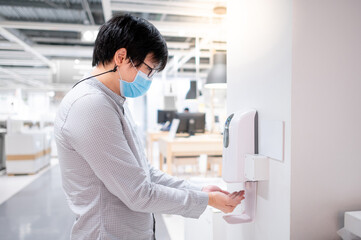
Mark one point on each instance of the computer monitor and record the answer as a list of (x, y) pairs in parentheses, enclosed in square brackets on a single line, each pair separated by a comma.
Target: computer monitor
[(191, 122), (165, 115)]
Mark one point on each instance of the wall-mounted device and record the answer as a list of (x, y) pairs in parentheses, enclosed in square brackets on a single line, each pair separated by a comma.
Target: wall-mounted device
[(240, 164)]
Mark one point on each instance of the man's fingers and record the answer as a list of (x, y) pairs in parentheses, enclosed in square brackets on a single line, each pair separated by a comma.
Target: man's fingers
[(239, 197), (228, 209), (234, 202), (225, 192), (235, 194), (236, 199)]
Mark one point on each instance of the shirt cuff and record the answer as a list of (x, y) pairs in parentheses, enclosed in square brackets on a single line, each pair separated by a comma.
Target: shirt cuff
[(202, 202)]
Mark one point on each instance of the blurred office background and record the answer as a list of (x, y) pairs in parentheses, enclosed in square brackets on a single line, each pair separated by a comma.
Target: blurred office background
[(46, 47)]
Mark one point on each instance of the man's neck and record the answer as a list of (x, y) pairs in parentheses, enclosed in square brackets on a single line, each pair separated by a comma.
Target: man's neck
[(110, 80)]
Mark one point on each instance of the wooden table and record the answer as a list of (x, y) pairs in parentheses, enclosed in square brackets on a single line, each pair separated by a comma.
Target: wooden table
[(210, 144), (154, 137)]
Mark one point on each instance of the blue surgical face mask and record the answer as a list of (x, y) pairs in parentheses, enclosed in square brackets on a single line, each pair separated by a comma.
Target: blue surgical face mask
[(138, 87)]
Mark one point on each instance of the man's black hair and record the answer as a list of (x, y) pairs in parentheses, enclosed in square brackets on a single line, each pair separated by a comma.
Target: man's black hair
[(137, 35)]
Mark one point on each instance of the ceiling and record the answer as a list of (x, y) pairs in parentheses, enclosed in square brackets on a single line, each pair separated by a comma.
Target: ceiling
[(38, 36)]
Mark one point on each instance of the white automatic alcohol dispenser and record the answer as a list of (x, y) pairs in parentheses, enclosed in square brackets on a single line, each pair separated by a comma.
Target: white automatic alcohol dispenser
[(239, 140)]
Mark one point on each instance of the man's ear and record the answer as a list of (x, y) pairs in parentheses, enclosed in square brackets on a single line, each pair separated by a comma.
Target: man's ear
[(120, 56)]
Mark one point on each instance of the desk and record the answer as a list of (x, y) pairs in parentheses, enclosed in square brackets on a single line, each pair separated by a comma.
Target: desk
[(210, 144), (154, 137), (2, 148)]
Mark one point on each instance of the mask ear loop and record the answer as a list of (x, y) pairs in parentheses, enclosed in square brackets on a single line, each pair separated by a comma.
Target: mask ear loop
[(120, 77), (120, 83), (133, 64), (112, 70)]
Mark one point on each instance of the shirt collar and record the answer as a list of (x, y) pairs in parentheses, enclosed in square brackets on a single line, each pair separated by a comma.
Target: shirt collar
[(95, 82)]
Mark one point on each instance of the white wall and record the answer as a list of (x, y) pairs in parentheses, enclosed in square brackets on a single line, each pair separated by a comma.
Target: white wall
[(326, 116), (259, 76)]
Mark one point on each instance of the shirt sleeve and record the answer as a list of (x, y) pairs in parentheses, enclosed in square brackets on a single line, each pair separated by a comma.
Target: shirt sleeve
[(93, 128), (160, 177)]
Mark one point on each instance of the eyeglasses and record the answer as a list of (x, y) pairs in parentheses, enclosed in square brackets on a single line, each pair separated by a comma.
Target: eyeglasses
[(151, 72)]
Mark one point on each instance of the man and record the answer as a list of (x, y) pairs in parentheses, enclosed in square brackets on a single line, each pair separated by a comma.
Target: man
[(106, 177)]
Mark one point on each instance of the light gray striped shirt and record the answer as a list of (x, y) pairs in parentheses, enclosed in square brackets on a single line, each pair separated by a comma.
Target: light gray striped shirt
[(107, 180)]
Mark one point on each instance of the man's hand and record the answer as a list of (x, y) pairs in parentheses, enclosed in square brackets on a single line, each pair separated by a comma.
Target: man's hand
[(213, 188), (225, 202)]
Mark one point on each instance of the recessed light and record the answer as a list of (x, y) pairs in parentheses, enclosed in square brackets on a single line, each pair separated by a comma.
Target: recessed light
[(220, 9)]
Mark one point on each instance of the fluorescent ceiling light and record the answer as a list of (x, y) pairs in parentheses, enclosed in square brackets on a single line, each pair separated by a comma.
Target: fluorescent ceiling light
[(89, 36)]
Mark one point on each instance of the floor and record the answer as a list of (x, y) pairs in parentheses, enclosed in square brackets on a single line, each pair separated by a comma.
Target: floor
[(38, 210), (10, 185), (34, 207)]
